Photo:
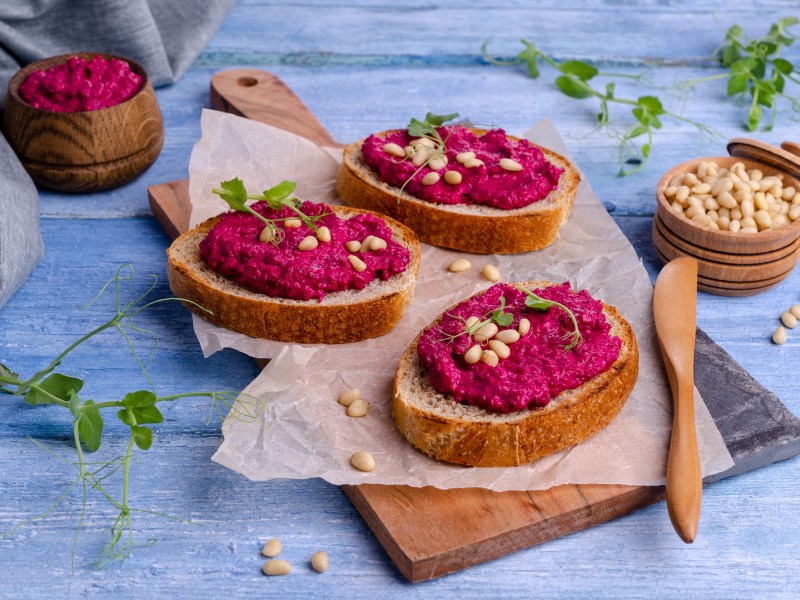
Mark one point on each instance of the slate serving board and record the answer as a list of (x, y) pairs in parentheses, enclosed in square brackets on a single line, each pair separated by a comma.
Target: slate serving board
[(429, 532)]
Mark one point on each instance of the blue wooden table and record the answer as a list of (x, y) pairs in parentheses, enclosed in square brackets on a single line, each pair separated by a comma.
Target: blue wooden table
[(362, 67)]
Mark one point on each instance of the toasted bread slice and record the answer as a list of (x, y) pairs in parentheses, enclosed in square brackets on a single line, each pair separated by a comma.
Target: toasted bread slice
[(469, 435), (467, 227), (339, 318)]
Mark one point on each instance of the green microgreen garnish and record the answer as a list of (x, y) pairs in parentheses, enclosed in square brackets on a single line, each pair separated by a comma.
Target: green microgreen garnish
[(538, 303), (428, 129), (497, 315), (755, 69), (135, 410), (277, 197), (574, 81)]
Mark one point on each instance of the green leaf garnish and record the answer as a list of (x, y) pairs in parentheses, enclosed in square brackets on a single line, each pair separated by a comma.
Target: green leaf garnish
[(500, 317), (277, 197), (142, 436), (6, 372), (538, 303), (55, 387), (140, 398), (90, 426)]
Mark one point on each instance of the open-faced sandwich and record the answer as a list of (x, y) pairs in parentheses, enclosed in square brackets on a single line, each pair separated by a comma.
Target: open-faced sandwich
[(514, 373), (469, 189), (295, 271)]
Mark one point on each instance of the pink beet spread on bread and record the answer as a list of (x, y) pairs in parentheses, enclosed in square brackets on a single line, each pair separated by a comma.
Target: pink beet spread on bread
[(487, 185), (538, 368), (232, 248), (79, 85)]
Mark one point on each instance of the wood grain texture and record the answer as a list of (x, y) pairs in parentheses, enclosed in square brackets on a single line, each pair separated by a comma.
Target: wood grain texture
[(84, 151), (366, 66)]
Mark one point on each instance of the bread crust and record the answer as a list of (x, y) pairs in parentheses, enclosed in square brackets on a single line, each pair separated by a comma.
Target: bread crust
[(480, 230), (469, 435), (334, 320)]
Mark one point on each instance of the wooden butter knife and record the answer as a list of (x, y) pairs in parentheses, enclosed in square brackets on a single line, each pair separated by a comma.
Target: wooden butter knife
[(675, 308)]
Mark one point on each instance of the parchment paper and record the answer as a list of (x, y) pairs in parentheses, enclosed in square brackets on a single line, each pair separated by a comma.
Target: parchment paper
[(303, 431)]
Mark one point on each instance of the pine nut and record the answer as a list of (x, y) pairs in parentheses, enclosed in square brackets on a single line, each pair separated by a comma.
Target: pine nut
[(690, 180), (353, 246), (319, 561), (394, 150), (500, 348), (471, 321), (423, 141), (763, 220), (788, 193), (725, 199), (472, 163), (789, 320), (779, 337), (366, 242), (347, 397), (510, 165), (524, 326), (734, 226), (377, 243), (309, 243), (701, 188), (779, 221), (747, 208), (363, 461), (430, 178), (736, 213), (710, 204), (682, 194), (485, 333), (410, 151), (437, 164), (676, 181), (490, 358), (749, 222), (795, 311), (723, 223), (491, 272), (671, 191), (358, 408), (760, 201), (421, 156), (459, 265), (272, 548), (357, 264), (724, 184), (292, 223), (756, 175), (463, 157), (276, 567), (703, 219), (266, 235), (473, 355), (794, 212), (507, 336), (694, 210), (452, 177), (324, 234)]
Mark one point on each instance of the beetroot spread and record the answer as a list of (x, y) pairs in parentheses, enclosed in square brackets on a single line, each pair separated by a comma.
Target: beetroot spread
[(232, 248), (81, 85), (488, 184), (538, 367)]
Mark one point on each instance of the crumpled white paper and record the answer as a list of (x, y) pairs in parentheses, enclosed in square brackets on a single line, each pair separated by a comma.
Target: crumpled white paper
[(303, 431)]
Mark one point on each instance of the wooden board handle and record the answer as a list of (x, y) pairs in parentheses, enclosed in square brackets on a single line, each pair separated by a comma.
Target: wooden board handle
[(261, 96)]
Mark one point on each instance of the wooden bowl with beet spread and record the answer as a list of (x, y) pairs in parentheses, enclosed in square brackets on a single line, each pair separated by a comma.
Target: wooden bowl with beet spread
[(88, 149)]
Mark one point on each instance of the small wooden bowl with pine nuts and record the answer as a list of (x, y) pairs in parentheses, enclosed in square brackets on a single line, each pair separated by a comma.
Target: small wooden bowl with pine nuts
[(739, 217)]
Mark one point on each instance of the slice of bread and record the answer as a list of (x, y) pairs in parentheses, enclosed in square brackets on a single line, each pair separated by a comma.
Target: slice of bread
[(468, 227), (339, 318), (469, 435)]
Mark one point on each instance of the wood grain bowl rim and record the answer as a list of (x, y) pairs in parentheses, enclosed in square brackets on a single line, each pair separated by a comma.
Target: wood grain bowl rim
[(725, 272), (736, 260), (724, 241), (46, 63)]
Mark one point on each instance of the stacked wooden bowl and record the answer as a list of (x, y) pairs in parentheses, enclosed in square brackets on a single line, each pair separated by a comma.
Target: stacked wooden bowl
[(731, 264)]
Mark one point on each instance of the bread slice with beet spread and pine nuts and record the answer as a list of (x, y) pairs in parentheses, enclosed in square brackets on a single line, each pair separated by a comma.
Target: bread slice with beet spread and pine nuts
[(466, 434), (340, 317), (472, 228)]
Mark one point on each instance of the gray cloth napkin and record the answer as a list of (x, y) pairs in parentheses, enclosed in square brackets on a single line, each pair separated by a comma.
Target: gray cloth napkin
[(164, 36)]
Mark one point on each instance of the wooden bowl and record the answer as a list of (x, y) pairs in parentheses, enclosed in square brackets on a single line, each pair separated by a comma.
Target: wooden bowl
[(84, 151), (725, 242)]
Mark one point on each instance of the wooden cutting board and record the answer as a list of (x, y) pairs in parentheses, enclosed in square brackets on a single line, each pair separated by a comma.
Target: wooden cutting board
[(427, 532)]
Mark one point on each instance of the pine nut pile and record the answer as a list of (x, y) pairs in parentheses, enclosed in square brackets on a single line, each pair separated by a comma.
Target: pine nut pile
[(735, 199)]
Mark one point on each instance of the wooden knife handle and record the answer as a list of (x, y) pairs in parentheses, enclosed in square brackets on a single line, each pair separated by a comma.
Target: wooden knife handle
[(684, 478)]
